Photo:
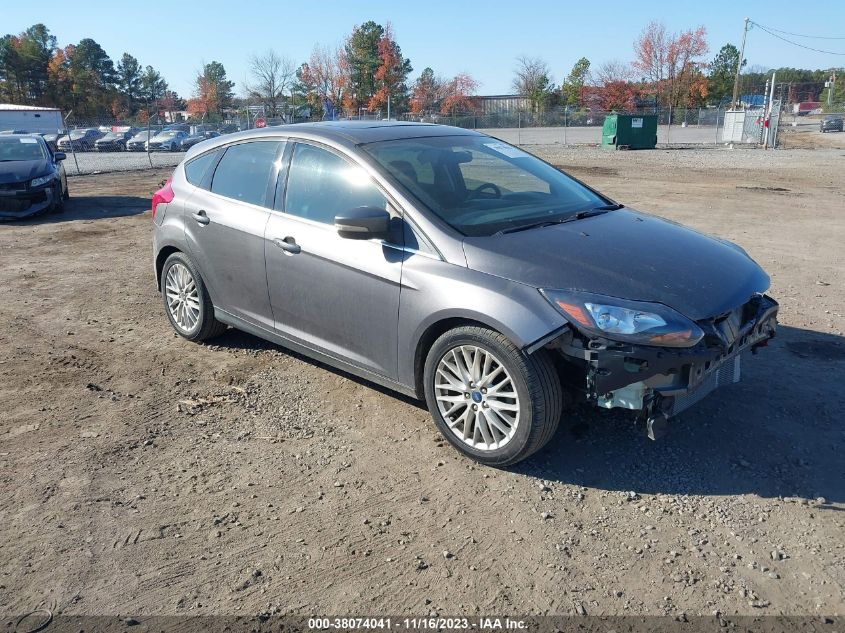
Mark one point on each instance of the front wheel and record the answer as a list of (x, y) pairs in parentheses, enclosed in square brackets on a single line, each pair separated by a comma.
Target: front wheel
[(186, 300), (58, 199), (492, 401)]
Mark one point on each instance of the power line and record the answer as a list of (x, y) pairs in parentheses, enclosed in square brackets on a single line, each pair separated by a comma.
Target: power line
[(813, 37), (809, 48)]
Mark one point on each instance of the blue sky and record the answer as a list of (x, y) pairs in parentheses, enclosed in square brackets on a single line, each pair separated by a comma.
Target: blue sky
[(479, 37)]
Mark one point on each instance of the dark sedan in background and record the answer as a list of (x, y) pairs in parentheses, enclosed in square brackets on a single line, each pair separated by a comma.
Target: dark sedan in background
[(114, 141), (81, 140), (192, 140), (138, 143), (52, 139), (32, 177), (831, 123)]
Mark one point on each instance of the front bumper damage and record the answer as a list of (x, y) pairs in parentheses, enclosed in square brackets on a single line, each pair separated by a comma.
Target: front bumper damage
[(17, 202), (661, 382)]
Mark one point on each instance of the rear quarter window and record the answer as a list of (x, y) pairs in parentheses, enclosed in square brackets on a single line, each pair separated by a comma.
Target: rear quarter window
[(243, 173), (197, 168)]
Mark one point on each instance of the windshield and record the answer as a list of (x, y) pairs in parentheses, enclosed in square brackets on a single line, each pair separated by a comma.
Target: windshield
[(17, 148), (168, 133), (480, 185)]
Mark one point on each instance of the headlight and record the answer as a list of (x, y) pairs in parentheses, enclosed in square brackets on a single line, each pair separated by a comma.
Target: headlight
[(42, 180), (622, 320)]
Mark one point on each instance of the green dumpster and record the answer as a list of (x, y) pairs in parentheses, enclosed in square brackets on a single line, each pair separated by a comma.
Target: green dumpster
[(629, 131)]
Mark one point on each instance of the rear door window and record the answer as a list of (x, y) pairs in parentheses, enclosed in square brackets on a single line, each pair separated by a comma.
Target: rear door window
[(244, 172)]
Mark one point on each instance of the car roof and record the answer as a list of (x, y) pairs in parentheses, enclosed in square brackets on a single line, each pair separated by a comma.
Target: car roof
[(343, 133), (360, 132), (20, 135)]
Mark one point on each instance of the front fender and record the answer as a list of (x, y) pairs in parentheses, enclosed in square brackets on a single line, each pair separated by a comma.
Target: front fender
[(435, 292)]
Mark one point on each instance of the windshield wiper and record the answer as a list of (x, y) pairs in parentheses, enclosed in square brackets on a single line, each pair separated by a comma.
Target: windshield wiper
[(580, 215)]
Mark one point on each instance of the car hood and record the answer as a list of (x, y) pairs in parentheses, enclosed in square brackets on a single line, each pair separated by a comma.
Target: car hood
[(22, 170), (625, 254)]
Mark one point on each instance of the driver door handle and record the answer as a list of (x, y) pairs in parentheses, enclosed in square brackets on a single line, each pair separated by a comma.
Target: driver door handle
[(201, 217), (288, 245)]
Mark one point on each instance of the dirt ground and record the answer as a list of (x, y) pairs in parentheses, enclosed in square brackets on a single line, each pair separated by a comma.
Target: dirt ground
[(143, 474)]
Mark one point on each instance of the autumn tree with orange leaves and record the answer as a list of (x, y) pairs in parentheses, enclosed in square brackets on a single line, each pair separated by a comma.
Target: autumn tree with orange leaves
[(671, 64), (431, 93), (612, 88), (212, 92), (459, 95), (325, 76), (427, 93), (391, 73)]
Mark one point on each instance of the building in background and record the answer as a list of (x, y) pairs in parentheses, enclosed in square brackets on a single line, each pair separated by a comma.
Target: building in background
[(33, 119)]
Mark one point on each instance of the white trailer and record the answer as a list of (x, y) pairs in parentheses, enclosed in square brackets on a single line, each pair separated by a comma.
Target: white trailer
[(30, 119)]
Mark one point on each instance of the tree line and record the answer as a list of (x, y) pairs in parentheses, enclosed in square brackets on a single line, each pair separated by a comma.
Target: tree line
[(367, 72), (80, 77), (668, 70)]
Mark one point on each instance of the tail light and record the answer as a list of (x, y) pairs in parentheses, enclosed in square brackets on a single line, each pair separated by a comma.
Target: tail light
[(165, 194)]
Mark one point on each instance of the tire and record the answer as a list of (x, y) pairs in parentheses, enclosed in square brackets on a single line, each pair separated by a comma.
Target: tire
[(59, 200), (521, 425), (195, 320)]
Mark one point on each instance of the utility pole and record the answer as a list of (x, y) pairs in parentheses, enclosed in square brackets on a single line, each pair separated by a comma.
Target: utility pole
[(739, 65), (768, 113)]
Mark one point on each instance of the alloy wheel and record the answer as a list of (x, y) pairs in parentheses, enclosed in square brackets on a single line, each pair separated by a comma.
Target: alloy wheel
[(477, 397), (182, 297)]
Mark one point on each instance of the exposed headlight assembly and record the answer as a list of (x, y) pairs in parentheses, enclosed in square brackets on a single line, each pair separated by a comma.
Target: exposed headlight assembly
[(41, 180), (622, 320)]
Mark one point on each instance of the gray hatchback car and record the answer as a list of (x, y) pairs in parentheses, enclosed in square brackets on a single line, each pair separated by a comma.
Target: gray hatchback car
[(450, 266)]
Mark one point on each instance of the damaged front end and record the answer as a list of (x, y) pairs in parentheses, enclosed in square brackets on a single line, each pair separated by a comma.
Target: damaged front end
[(660, 381)]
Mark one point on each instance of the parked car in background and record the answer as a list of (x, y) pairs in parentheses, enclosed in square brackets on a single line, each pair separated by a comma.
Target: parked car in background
[(81, 140), (138, 143), (190, 141), (831, 123), (167, 141), (114, 141), (522, 290), (32, 177), (52, 138)]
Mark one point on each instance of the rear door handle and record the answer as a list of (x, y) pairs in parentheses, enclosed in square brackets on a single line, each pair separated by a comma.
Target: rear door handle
[(288, 245), (201, 217)]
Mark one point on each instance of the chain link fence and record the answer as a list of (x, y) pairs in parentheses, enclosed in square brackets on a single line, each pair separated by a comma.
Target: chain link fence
[(574, 126), (104, 145)]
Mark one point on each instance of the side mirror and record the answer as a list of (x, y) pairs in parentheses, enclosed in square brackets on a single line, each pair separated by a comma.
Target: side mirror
[(363, 223), (59, 156)]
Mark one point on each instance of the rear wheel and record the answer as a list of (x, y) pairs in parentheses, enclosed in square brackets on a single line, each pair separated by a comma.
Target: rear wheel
[(491, 400), (186, 300)]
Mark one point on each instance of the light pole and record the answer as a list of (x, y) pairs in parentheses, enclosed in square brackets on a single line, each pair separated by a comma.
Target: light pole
[(831, 84), (739, 65)]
